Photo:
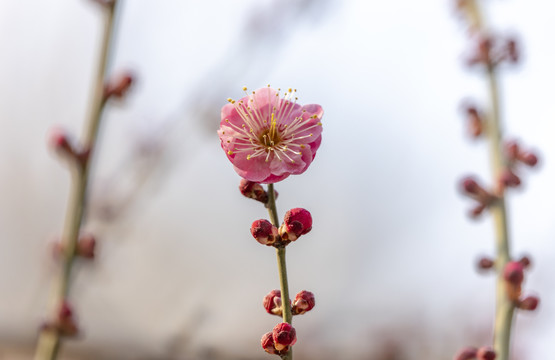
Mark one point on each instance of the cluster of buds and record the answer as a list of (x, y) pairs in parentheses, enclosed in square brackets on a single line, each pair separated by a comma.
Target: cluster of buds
[(514, 156), (513, 273), (64, 323), (283, 336), (489, 51), (62, 143), (118, 86), (296, 222), (478, 193), (471, 353), (279, 340), (304, 301), (85, 248)]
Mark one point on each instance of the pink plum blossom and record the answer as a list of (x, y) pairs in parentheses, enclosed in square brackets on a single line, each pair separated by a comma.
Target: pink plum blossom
[(268, 137)]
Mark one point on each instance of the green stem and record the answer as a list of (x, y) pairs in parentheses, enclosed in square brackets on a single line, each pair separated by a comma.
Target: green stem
[(282, 268), (48, 344), (504, 306)]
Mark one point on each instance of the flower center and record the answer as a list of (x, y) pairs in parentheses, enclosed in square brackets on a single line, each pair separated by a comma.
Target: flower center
[(270, 137)]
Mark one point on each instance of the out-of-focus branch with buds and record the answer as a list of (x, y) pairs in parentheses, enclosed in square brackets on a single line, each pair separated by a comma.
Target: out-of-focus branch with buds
[(73, 244), (488, 53)]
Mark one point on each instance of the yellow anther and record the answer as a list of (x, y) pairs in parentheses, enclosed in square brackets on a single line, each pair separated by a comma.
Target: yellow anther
[(244, 88), (302, 146), (229, 99), (320, 123), (248, 157), (230, 152), (290, 90)]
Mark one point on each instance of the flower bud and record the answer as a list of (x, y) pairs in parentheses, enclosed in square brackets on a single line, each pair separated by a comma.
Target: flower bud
[(264, 232), (529, 303), (272, 303), (296, 222), (58, 140), (474, 121), (253, 190), (86, 246), (304, 301), (511, 49), (509, 179), (118, 86), (525, 261), (514, 276), (468, 353), (485, 353), (65, 322), (528, 158), (514, 272), (485, 263), (284, 335), (267, 343)]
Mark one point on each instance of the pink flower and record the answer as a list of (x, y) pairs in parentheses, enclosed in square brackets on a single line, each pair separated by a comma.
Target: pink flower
[(267, 137)]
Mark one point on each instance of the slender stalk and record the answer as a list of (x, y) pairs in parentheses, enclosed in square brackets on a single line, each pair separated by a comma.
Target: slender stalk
[(48, 344), (504, 306), (282, 268)]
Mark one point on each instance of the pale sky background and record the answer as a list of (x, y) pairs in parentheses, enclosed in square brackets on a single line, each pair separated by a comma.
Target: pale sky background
[(391, 251)]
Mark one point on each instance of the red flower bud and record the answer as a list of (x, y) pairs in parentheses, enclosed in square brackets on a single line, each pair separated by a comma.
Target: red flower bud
[(59, 140), (511, 48), (529, 303), (514, 272), (509, 179), (118, 86), (264, 232), (304, 301), (485, 263), (296, 222), (65, 322), (474, 121), (284, 335), (267, 343), (86, 246), (468, 353), (525, 261), (485, 353), (253, 190), (512, 150), (529, 159), (272, 303)]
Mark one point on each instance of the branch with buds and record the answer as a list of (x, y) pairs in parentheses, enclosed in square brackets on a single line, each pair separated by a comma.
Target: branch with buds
[(72, 244), (488, 53), (297, 222)]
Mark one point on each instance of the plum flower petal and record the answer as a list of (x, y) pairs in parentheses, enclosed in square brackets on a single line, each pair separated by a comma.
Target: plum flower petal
[(268, 137)]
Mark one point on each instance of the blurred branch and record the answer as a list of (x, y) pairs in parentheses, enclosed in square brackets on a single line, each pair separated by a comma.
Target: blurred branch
[(50, 335)]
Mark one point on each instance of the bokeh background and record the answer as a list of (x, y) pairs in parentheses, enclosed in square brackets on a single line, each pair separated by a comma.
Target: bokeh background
[(178, 276)]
